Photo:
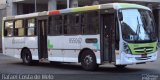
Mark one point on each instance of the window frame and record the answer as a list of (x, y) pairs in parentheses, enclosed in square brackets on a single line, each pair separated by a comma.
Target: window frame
[(71, 23), (87, 24), (23, 27), (5, 33), (51, 24), (35, 27), (82, 13)]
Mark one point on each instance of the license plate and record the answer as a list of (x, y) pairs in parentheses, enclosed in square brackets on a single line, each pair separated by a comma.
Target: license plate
[(144, 55)]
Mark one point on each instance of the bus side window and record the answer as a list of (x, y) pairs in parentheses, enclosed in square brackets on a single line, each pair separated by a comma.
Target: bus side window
[(74, 22), (90, 22), (55, 25), (65, 24), (8, 28), (19, 28), (31, 27), (83, 23)]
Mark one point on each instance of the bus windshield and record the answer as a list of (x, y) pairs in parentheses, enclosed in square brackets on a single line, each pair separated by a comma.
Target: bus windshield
[(137, 25)]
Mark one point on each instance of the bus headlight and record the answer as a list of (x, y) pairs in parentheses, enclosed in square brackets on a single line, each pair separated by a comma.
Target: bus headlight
[(126, 48)]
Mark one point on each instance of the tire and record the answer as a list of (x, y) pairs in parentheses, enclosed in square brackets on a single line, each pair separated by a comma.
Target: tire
[(35, 62), (55, 63), (26, 57), (88, 61), (121, 66)]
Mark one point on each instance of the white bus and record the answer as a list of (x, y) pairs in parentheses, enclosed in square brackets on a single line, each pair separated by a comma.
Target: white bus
[(114, 33)]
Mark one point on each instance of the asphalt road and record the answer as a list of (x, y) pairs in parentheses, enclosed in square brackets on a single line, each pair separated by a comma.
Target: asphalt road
[(72, 71)]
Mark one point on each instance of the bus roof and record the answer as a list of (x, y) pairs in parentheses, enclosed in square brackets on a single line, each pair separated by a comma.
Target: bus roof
[(79, 9)]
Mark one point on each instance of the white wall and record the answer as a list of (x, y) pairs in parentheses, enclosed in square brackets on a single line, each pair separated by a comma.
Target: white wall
[(2, 1), (2, 4)]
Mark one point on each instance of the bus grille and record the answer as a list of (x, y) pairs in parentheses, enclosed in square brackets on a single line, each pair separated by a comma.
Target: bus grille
[(144, 50)]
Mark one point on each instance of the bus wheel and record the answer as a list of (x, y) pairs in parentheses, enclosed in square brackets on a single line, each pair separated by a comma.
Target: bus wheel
[(120, 66), (88, 60), (26, 57)]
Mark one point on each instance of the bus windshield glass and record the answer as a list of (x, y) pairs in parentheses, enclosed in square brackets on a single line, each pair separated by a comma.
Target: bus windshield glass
[(137, 25)]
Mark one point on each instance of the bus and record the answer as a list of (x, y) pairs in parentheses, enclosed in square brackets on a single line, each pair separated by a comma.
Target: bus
[(114, 33)]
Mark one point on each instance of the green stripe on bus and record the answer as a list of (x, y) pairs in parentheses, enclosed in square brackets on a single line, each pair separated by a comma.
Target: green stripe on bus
[(86, 8), (50, 45)]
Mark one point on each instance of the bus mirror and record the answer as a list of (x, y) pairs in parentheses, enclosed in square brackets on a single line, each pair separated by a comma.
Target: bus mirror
[(120, 15)]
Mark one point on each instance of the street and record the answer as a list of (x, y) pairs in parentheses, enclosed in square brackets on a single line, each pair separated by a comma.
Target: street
[(72, 71)]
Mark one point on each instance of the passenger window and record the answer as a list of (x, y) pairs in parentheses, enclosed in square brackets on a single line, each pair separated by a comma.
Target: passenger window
[(55, 25), (19, 28), (74, 21), (8, 31), (31, 28), (90, 23)]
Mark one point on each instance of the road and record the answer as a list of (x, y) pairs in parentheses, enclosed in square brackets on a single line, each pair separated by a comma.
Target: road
[(72, 71)]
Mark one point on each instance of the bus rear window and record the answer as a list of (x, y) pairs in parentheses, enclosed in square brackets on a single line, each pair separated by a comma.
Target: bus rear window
[(8, 30)]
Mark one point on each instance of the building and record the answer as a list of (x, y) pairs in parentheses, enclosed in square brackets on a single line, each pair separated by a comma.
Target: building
[(17, 7)]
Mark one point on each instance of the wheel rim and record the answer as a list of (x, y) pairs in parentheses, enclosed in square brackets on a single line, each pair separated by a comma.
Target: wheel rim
[(88, 60), (26, 58)]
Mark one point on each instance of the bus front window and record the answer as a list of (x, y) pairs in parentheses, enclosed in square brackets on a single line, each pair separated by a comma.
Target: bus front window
[(137, 25)]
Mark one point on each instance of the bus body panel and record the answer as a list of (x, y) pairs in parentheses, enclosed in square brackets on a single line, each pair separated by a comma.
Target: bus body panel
[(67, 48), (94, 46), (15, 45), (18, 44), (32, 44), (55, 43), (8, 48)]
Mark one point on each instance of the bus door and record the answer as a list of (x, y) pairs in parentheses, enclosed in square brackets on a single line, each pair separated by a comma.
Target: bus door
[(108, 36), (42, 38)]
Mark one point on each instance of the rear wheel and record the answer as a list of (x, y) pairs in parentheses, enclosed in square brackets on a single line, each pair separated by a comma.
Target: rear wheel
[(26, 57), (88, 60)]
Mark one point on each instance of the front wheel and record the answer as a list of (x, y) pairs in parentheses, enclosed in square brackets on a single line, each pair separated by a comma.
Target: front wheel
[(88, 60)]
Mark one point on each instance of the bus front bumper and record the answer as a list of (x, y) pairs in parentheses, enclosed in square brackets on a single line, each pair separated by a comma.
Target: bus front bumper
[(126, 59)]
